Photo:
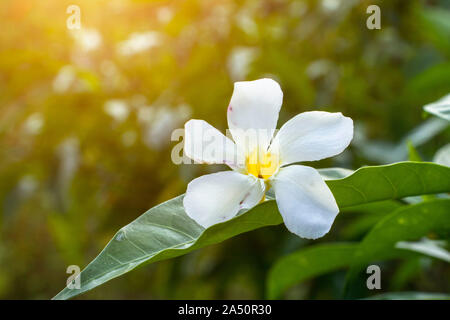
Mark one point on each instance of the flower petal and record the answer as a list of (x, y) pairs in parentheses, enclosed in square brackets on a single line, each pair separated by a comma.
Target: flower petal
[(305, 202), (205, 144), (218, 197), (312, 136), (254, 109)]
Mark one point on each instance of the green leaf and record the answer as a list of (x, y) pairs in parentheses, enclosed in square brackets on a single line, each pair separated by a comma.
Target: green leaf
[(426, 86), (440, 108), (441, 111), (439, 17), (435, 25), (334, 173), (364, 216), (442, 156), (410, 296), (413, 154), (392, 181), (405, 272), (432, 248), (307, 263), (387, 152), (407, 223), (165, 231), (319, 259)]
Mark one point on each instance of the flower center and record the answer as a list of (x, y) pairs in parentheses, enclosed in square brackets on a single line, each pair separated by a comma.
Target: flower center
[(261, 164)]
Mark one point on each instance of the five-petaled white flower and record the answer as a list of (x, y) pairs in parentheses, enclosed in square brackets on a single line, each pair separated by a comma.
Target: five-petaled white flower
[(304, 200)]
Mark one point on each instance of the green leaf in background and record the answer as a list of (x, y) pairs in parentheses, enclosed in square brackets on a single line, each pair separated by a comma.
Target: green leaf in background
[(317, 260), (165, 231), (442, 156), (406, 271), (407, 223), (334, 173), (434, 80), (365, 216), (436, 24), (413, 154), (388, 152), (432, 248), (307, 263), (440, 108)]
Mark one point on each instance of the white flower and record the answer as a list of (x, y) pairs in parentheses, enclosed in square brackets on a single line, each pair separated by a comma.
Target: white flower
[(304, 200)]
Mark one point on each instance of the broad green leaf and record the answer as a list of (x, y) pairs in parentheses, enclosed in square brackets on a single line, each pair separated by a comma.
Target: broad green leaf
[(410, 296), (307, 263), (413, 155), (165, 231), (393, 181), (407, 223)]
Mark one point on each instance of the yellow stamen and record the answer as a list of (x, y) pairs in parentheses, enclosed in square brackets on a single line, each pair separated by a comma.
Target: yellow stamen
[(261, 164)]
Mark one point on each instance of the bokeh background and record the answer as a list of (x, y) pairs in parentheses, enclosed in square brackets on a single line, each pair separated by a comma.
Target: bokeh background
[(86, 118)]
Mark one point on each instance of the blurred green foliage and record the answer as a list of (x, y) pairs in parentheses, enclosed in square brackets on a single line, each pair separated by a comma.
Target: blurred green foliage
[(86, 118)]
